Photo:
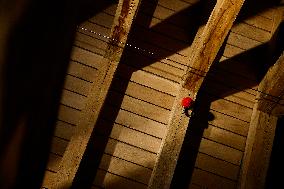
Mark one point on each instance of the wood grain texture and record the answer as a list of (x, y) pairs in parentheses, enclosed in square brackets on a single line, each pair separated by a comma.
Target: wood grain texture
[(272, 89), (258, 149), (207, 47), (106, 179), (107, 66), (206, 180)]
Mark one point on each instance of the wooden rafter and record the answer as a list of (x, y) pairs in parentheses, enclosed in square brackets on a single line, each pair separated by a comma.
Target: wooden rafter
[(272, 89), (258, 149), (262, 128), (125, 14), (264, 121), (205, 49)]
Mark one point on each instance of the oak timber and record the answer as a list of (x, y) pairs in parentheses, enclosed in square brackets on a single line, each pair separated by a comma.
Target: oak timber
[(272, 89), (206, 49), (158, 77), (258, 149), (76, 148)]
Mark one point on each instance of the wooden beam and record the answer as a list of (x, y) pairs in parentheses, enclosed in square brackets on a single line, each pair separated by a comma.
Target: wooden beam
[(258, 149), (205, 49), (272, 89), (73, 155), (278, 110)]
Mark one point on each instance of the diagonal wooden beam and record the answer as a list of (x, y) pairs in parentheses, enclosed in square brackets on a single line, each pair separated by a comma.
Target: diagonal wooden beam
[(205, 49), (262, 128), (125, 14), (272, 89), (264, 118), (258, 149)]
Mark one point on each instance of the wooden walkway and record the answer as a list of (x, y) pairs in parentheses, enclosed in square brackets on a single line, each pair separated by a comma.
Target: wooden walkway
[(135, 116)]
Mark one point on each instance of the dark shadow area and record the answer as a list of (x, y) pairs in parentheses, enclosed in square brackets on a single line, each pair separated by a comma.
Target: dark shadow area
[(181, 26), (252, 8), (187, 157), (274, 178), (177, 32), (100, 136), (36, 60)]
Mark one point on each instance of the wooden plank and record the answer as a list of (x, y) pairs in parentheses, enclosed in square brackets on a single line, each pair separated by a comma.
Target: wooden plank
[(231, 109), (133, 137), (58, 145), (217, 166), (231, 51), (229, 123), (72, 99), (82, 71), (165, 27), (90, 42), (177, 6), (103, 19), (237, 98), (140, 107), (259, 22), (272, 87), (165, 13), (231, 65), (235, 82), (258, 149), (77, 85), (218, 90), (136, 122), (53, 162), (47, 180), (149, 80), (68, 114), (130, 153), (160, 12), (144, 93), (220, 151), (159, 40), (112, 181), (86, 57), (125, 169), (159, 68), (212, 181), (178, 63), (268, 13), (161, 54), (225, 137), (103, 31), (227, 107), (207, 46), (252, 32), (114, 148), (64, 130), (125, 13), (111, 9), (242, 41)]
